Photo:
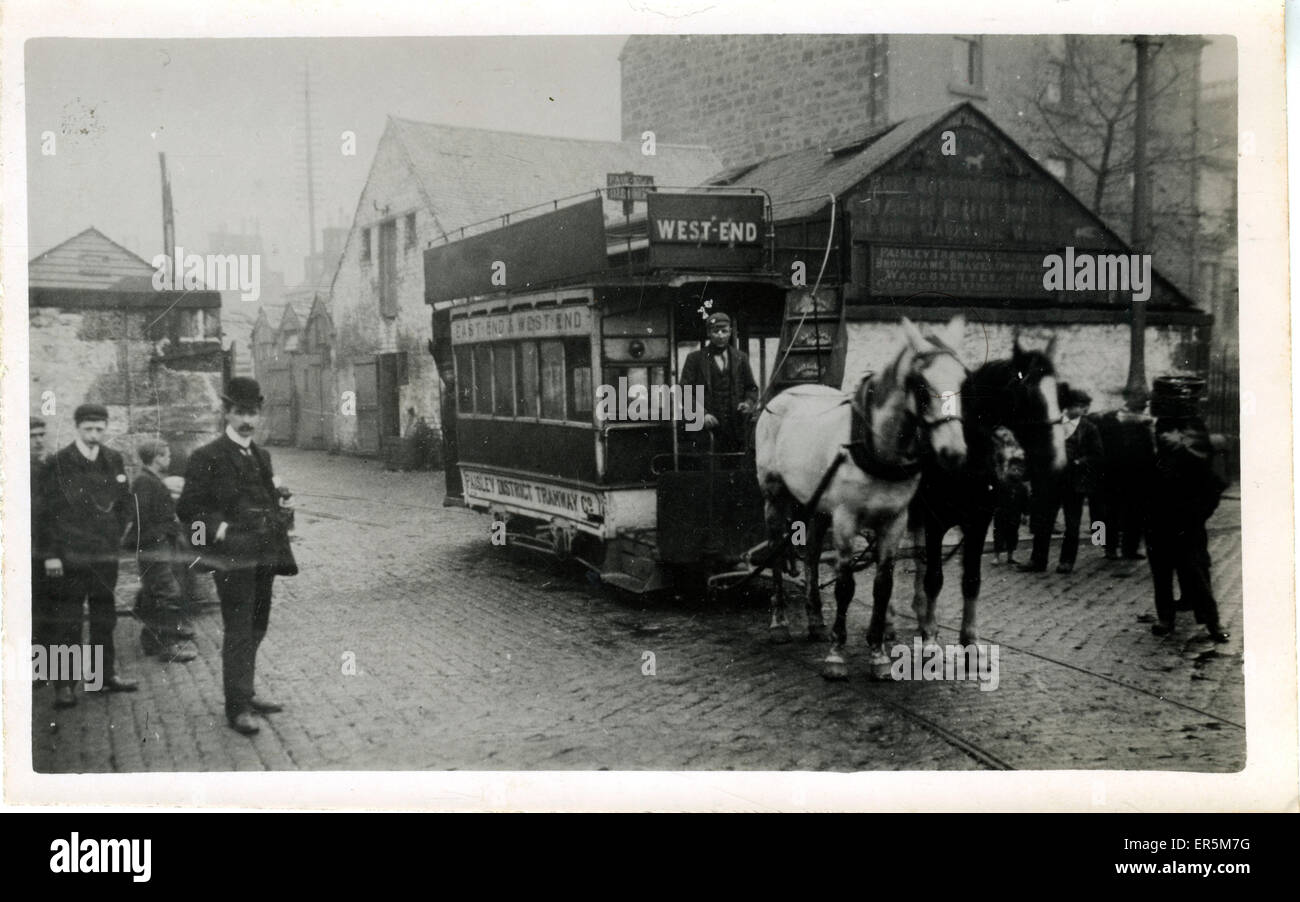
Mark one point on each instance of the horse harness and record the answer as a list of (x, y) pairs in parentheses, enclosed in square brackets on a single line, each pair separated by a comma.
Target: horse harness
[(862, 442)]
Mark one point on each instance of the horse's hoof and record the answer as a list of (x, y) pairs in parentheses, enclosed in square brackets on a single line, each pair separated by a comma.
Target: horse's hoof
[(818, 633), (880, 667), (837, 671), (778, 635)]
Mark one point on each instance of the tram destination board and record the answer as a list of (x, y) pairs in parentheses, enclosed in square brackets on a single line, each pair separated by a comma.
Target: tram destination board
[(706, 231)]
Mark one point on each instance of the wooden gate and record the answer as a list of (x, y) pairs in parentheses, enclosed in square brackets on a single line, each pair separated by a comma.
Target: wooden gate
[(367, 406), (279, 406), (313, 405), (1223, 407)]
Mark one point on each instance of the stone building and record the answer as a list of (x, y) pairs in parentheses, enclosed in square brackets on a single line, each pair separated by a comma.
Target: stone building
[(426, 183), (915, 231), (753, 97), (100, 332)]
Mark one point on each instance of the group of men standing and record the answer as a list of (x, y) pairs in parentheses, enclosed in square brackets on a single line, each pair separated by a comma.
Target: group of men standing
[(1144, 476), (84, 512)]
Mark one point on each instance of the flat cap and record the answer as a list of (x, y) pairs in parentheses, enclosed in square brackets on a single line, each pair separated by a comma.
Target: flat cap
[(90, 412), (719, 319)]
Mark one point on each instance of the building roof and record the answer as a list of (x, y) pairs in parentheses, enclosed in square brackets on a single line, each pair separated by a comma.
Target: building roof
[(90, 260), (470, 174), (801, 181)]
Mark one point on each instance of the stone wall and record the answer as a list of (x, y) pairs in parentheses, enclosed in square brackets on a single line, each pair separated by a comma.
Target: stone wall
[(361, 332), (103, 356), (1090, 356)]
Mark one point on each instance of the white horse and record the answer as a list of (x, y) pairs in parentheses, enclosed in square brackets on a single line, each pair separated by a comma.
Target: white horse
[(815, 475)]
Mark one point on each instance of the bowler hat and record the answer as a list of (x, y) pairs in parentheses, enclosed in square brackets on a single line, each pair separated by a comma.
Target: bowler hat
[(719, 319), (90, 412), (242, 392)]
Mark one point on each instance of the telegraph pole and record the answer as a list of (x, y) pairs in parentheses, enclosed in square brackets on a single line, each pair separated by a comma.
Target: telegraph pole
[(1141, 232)]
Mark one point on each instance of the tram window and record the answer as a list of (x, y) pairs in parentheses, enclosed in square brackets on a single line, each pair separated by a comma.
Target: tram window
[(526, 386), (503, 381), (482, 378), (464, 380), (582, 395), (552, 358)]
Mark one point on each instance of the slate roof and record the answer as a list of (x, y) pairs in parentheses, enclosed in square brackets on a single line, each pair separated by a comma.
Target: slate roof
[(470, 174), (800, 181)]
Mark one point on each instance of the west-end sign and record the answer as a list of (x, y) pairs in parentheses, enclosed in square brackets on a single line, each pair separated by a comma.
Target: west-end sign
[(566, 243), (553, 322), (723, 231)]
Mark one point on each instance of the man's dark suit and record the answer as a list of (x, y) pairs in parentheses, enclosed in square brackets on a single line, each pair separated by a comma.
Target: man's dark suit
[(226, 484), (724, 391), (84, 510)]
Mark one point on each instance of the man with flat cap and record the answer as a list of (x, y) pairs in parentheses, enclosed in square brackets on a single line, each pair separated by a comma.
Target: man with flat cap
[(730, 392), (229, 507), (84, 509)]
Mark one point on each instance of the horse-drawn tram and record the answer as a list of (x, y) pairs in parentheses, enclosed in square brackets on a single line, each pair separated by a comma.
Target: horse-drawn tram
[(567, 331)]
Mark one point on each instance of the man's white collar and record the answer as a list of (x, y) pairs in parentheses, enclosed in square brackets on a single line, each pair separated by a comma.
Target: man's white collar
[(237, 438), (87, 452)]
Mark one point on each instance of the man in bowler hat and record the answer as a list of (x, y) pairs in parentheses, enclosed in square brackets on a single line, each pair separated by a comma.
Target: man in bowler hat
[(84, 508), (229, 508), (730, 392)]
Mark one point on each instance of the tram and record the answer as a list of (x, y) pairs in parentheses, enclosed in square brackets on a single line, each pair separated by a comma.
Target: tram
[(539, 316)]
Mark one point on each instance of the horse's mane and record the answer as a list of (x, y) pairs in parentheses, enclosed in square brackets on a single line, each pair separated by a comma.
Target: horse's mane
[(1003, 393)]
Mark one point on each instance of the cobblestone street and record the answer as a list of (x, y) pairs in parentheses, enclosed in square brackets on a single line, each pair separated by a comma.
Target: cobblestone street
[(472, 657)]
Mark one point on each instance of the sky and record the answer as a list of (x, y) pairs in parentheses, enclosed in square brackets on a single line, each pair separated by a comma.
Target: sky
[(230, 116), (229, 113)]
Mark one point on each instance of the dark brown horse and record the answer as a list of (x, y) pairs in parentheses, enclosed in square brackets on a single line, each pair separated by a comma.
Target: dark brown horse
[(1019, 394)]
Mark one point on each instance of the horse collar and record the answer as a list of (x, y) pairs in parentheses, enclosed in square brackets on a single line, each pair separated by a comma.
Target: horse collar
[(862, 444)]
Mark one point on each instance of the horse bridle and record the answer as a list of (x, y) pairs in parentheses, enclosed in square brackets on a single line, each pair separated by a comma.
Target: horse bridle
[(922, 389), (864, 452)]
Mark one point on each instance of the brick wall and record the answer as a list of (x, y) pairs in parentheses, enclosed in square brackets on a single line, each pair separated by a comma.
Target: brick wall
[(751, 96), (360, 330)]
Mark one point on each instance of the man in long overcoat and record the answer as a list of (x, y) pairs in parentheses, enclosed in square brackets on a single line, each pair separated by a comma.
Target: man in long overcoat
[(229, 506)]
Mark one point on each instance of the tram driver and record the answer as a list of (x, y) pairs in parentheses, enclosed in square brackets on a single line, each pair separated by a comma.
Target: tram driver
[(730, 392)]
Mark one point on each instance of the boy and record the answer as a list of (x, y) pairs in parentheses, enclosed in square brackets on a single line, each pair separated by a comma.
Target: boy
[(158, 604)]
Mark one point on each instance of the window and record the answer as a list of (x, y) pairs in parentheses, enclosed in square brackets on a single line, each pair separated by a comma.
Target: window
[(483, 379), (388, 268), (527, 393), (464, 380), (503, 381), (968, 62), (410, 231), (365, 245), (1052, 86), (1059, 167), (552, 360), (199, 325), (582, 395)]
